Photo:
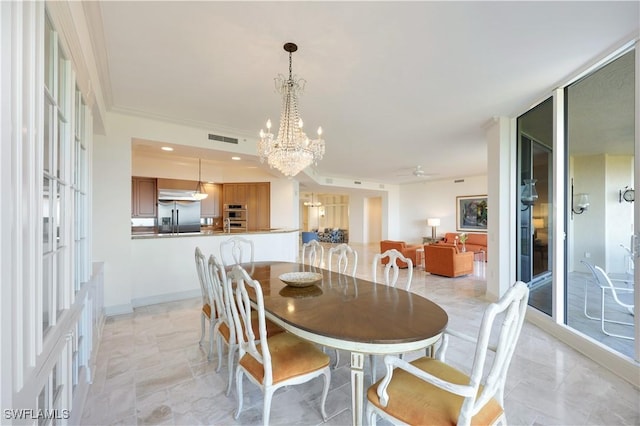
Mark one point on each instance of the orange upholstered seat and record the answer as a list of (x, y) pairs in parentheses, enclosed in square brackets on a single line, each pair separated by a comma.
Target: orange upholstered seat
[(417, 402)]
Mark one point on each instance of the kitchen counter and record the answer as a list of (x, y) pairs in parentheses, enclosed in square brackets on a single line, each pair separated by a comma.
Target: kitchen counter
[(164, 268), (135, 235)]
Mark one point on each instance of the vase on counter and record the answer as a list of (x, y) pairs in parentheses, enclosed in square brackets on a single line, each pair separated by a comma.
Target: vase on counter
[(463, 248)]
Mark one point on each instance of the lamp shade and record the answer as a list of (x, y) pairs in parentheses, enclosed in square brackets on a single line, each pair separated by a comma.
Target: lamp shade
[(433, 222)]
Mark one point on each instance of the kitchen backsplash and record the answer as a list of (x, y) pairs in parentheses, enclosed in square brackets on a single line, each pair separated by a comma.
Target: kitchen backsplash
[(143, 221)]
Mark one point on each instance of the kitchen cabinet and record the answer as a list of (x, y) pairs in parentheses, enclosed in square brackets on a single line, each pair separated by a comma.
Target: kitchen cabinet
[(144, 197), (211, 206), (189, 185), (235, 193), (259, 205), (256, 196)]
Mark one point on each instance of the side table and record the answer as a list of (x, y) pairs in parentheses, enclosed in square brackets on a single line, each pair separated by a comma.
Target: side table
[(429, 240), (420, 258)]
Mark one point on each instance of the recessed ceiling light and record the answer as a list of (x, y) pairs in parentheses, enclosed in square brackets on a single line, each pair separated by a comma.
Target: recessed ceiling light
[(236, 158), (167, 148)]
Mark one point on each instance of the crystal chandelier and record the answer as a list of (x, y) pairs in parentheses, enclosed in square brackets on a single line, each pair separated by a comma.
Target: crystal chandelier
[(292, 150), (312, 203)]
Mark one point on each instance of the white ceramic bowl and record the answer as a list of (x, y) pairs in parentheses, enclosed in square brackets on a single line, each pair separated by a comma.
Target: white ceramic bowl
[(300, 279)]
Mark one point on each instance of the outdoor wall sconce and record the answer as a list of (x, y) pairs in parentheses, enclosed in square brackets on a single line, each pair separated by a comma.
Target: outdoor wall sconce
[(582, 204), (627, 194), (529, 194)]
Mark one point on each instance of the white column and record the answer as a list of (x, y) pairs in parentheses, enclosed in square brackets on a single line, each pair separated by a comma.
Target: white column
[(501, 229)]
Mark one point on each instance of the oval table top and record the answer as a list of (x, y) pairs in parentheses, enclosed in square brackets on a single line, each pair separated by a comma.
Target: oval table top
[(348, 309)]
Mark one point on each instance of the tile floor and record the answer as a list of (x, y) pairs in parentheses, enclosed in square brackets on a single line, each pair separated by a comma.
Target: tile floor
[(150, 370)]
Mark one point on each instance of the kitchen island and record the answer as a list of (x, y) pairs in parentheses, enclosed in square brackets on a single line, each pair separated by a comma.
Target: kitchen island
[(163, 265)]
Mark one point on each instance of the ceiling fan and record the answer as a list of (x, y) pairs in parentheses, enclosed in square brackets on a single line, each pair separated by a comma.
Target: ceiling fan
[(417, 171)]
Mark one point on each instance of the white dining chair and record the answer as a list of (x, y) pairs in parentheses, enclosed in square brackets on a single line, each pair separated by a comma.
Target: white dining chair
[(225, 329), (430, 391), (236, 250), (342, 253), (392, 279), (208, 313), (280, 360), (606, 285), (313, 254)]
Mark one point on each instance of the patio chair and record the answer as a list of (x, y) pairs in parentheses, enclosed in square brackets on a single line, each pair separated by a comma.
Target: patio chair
[(602, 280)]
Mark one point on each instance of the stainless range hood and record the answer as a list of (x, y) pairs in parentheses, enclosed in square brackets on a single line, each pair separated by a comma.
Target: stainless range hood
[(176, 195)]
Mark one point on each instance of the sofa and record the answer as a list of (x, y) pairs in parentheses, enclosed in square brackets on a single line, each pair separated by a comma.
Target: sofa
[(308, 236), (475, 242), (333, 235), (447, 260), (408, 251)]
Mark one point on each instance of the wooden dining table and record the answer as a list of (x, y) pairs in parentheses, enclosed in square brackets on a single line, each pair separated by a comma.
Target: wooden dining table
[(351, 314)]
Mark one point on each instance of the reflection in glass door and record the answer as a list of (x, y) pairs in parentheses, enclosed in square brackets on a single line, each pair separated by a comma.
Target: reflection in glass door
[(535, 143)]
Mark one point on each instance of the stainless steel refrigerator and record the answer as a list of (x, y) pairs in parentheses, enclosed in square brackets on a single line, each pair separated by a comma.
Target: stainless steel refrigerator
[(176, 216)]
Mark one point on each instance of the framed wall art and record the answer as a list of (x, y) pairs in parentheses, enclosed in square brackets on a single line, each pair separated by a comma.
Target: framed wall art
[(471, 213)]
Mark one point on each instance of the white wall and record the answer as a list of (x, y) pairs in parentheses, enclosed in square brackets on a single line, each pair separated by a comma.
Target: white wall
[(433, 199), (619, 218), (373, 219), (112, 215), (357, 214), (599, 231), (589, 176)]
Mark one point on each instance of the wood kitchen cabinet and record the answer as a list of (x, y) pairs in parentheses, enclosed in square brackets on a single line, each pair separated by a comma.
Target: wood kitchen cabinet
[(144, 197), (259, 205), (188, 185), (256, 196), (212, 205), (235, 193)]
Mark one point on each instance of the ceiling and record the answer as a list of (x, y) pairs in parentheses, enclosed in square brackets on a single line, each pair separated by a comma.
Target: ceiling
[(393, 84)]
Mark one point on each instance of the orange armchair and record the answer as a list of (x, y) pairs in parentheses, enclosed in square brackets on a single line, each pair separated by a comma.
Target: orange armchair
[(475, 242), (402, 247), (442, 259)]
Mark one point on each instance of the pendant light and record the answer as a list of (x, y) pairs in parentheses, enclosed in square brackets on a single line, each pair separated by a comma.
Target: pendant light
[(200, 193)]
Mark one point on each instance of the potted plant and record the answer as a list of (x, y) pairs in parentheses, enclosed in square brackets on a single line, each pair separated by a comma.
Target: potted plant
[(463, 239)]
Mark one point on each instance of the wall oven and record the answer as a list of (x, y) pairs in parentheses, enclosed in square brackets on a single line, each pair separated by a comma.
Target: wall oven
[(235, 216)]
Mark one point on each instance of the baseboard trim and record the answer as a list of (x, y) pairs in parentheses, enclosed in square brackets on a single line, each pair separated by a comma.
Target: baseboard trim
[(164, 298), (110, 311)]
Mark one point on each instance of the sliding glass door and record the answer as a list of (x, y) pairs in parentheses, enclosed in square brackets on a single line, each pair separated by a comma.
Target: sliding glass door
[(594, 293), (600, 114), (535, 161)]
